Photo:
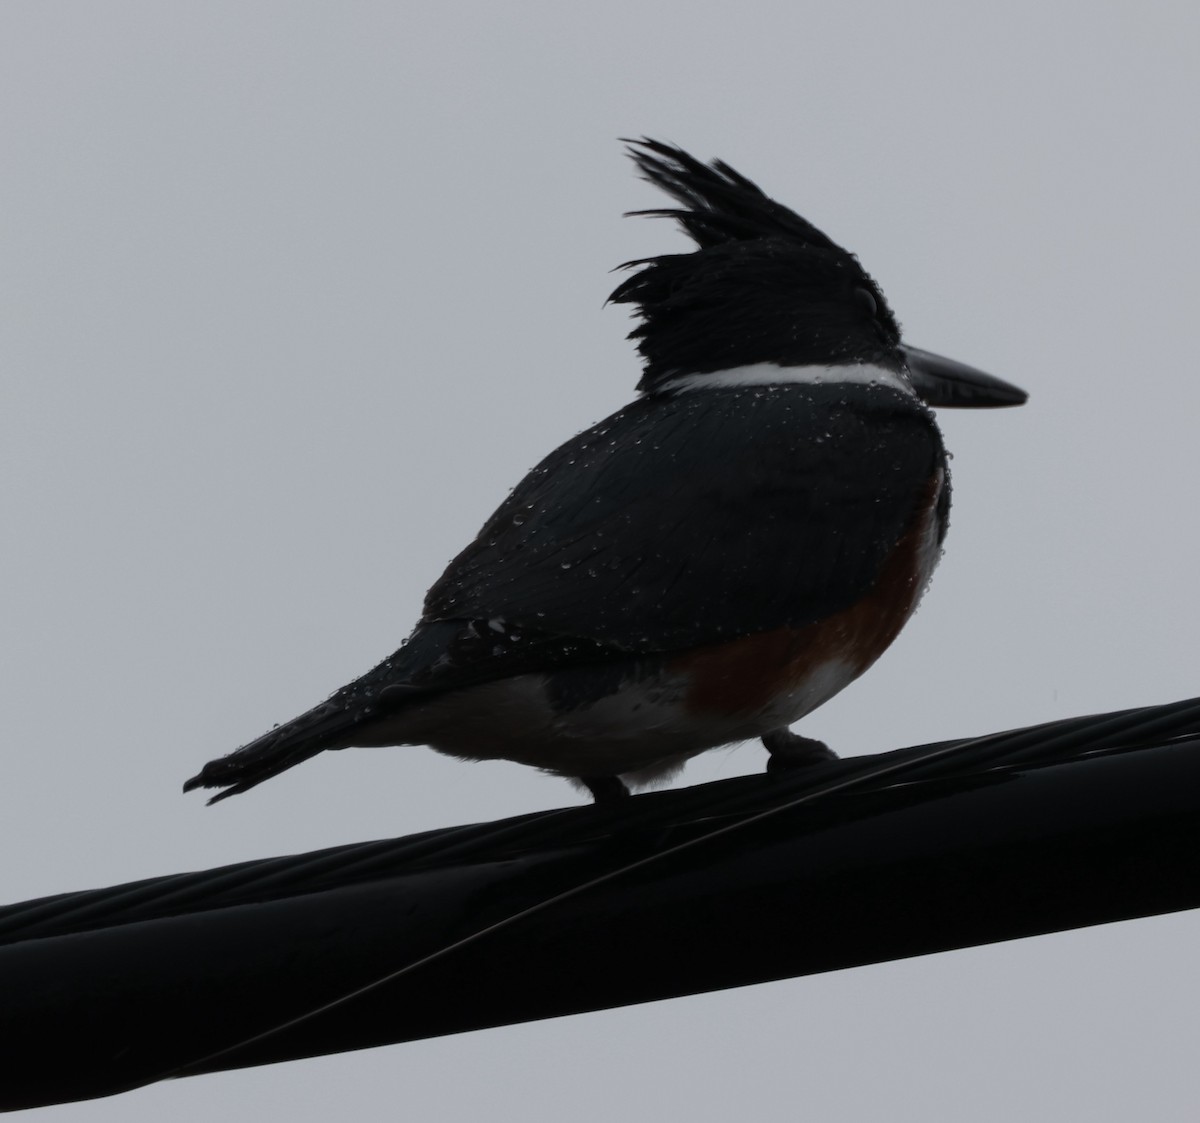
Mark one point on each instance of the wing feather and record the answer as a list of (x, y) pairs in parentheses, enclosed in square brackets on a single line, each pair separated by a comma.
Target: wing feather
[(681, 521)]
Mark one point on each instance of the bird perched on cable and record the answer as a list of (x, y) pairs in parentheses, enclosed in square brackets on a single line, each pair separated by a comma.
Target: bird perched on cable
[(710, 563)]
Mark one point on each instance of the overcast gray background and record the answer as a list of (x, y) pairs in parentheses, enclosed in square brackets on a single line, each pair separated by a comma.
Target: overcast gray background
[(292, 293)]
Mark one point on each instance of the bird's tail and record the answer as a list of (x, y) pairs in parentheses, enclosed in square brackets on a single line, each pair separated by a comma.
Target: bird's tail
[(282, 748), (385, 690)]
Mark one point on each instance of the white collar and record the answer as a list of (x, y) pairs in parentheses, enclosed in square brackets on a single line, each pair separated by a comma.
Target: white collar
[(771, 374)]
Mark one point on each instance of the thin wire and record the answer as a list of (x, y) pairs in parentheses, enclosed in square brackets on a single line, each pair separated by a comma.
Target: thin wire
[(890, 768)]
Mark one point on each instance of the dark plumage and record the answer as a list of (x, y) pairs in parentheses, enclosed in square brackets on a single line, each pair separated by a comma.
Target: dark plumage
[(764, 285)]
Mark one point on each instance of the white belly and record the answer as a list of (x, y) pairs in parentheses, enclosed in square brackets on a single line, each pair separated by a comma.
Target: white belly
[(643, 731)]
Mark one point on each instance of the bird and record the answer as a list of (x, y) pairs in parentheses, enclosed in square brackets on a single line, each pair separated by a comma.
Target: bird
[(707, 565)]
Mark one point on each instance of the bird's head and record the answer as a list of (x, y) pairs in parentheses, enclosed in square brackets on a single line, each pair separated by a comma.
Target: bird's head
[(766, 286)]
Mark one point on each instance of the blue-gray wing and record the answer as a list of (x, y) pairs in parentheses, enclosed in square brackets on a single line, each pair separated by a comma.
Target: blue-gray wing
[(684, 520)]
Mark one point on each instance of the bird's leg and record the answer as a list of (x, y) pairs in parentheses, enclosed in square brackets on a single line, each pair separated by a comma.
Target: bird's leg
[(605, 789), (790, 750)]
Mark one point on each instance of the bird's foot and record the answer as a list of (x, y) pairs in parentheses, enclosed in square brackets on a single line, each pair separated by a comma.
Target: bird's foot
[(605, 789), (789, 750)]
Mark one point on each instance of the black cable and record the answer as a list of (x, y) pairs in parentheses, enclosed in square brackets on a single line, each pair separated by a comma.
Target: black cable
[(1037, 743), (1066, 823), (272, 878)]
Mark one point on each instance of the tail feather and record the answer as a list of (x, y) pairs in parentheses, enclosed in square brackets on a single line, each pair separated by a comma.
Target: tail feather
[(282, 748), (332, 724), (419, 669)]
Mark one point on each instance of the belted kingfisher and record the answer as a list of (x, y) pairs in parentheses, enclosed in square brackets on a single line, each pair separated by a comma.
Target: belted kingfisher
[(710, 563)]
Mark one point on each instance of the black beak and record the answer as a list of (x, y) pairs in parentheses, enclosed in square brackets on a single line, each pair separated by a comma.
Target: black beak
[(943, 382)]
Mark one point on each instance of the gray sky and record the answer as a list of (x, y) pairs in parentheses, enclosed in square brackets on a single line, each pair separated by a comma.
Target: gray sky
[(292, 292)]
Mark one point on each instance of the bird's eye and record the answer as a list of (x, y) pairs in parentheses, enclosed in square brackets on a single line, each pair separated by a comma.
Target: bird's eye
[(867, 299)]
